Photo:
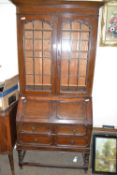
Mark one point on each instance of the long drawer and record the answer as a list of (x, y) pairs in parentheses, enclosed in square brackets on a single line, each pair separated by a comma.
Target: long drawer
[(52, 140), (79, 130)]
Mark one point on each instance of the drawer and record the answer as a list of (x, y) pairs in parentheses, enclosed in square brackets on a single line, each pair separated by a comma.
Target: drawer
[(71, 129), (82, 141), (35, 139), (33, 127), (64, 140), (78, 130), (76, 141)]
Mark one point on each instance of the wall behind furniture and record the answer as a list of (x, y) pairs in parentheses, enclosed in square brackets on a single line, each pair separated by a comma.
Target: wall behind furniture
[(8, 41), (105, 81)]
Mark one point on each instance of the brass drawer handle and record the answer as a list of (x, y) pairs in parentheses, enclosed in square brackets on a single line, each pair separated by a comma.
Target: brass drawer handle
[(74, 131), (33, 128)]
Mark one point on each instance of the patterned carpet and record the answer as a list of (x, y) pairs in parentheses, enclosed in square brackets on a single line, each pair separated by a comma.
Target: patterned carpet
[(58, 158)]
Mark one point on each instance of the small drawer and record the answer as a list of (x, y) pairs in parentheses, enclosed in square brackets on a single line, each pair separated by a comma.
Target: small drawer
[(64, 140), (79, 130), (74, 141), (80, 141), (37, 139), (34, 128), (64, 129), (71, 129)]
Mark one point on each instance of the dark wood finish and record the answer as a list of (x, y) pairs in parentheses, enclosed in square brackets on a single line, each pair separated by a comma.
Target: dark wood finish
[(8, 133), (62, 70), (56, 50), (104, 130), (11, 162)]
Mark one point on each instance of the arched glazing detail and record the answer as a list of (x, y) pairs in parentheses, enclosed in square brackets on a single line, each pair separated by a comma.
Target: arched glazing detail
[(74, 55), (37, 43)]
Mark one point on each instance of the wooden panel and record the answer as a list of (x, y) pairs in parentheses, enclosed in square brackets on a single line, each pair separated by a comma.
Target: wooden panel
[(71, 111), (92, 4), (6, 135), (53, 111), (35, 110), (8, 129)]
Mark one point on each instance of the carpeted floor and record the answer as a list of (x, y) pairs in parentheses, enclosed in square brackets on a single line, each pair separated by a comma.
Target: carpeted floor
[(58, 158)]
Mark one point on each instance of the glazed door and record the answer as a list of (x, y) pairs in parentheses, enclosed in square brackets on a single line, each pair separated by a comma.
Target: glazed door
[(58, 54), (76, 53), (38, 59)]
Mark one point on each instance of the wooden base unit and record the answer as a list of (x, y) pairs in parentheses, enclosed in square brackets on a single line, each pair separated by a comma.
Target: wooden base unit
[(56, 52), (54, 125)]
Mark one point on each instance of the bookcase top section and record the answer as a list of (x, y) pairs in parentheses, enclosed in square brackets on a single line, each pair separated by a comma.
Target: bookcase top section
[(88, 3)]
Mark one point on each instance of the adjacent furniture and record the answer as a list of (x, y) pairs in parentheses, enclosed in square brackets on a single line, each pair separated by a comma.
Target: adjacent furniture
[(56, 51), (8, 133)]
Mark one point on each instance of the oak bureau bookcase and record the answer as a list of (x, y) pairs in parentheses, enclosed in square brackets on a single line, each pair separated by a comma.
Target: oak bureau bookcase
[(56, 50)]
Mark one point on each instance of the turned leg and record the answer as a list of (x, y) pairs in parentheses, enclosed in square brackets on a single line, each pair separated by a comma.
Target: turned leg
[(11, 162), (86, 161), (21, 155)]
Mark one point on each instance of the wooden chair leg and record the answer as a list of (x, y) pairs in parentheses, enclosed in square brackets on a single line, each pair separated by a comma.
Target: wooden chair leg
[(86, 161), (11, 162), (21, 155)]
